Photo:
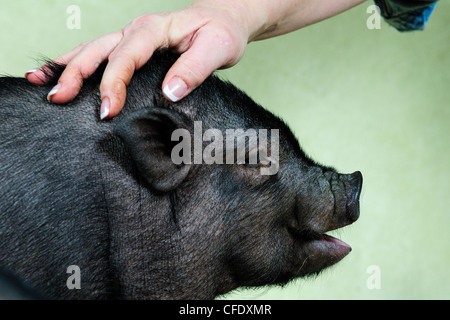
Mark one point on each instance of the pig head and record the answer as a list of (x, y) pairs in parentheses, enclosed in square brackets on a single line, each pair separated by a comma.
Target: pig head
[(141, 226)]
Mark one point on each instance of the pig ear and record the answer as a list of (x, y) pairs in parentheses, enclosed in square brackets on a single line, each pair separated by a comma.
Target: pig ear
[(147, 135)]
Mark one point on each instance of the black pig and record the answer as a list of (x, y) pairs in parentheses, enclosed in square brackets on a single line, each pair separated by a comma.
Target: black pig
[(14, 288), (106, 196)]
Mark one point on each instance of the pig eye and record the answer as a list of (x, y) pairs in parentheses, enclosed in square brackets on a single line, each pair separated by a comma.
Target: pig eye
[(253, 163), (255, 166), (253, 173), (258, 159)]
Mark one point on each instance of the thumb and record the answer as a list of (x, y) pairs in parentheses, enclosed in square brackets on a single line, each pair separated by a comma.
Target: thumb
[(209, 52)]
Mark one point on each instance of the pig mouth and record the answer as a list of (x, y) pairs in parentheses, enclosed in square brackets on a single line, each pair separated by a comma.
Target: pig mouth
[(333, 240), (334, 246), (319, 251), (309, 236)]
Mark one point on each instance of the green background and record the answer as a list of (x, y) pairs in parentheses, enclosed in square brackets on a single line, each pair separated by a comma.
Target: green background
[(377, 101)]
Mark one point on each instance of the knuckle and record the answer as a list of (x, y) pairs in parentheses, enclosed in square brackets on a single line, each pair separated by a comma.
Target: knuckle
[(71, 78), (117, 79), (116, 86), (146, 20), (78, 70), (124, 58), (83, 44), (128, 61), (73, 71)]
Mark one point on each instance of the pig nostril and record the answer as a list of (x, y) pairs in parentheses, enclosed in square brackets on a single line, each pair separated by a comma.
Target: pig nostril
[(353, 186), (357, 180)]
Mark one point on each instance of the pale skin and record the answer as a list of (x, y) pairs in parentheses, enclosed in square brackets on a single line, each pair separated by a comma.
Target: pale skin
[(209, 35)]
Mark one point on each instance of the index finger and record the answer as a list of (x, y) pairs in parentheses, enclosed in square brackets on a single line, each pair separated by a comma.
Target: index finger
[(133, 52)]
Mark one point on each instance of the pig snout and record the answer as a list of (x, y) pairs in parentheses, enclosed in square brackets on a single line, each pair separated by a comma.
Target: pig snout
[(321, 250), (345, 190), (352, 185)]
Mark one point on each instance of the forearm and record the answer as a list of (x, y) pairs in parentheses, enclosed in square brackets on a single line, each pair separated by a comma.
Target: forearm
[(264, 19)]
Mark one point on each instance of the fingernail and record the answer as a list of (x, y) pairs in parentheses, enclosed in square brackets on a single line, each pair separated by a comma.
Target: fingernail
[(53, 92), (176, 89), (29, 72), (104, 108)]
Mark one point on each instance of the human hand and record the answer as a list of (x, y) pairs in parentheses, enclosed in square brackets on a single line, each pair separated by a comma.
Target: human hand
[(208, 34)]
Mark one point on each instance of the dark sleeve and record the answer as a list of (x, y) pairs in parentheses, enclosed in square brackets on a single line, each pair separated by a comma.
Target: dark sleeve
[(406, 15)]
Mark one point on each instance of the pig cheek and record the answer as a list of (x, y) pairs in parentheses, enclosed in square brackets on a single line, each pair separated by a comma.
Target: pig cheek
[(316, 210), (288, 259), (283, 257), (262, 261)]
